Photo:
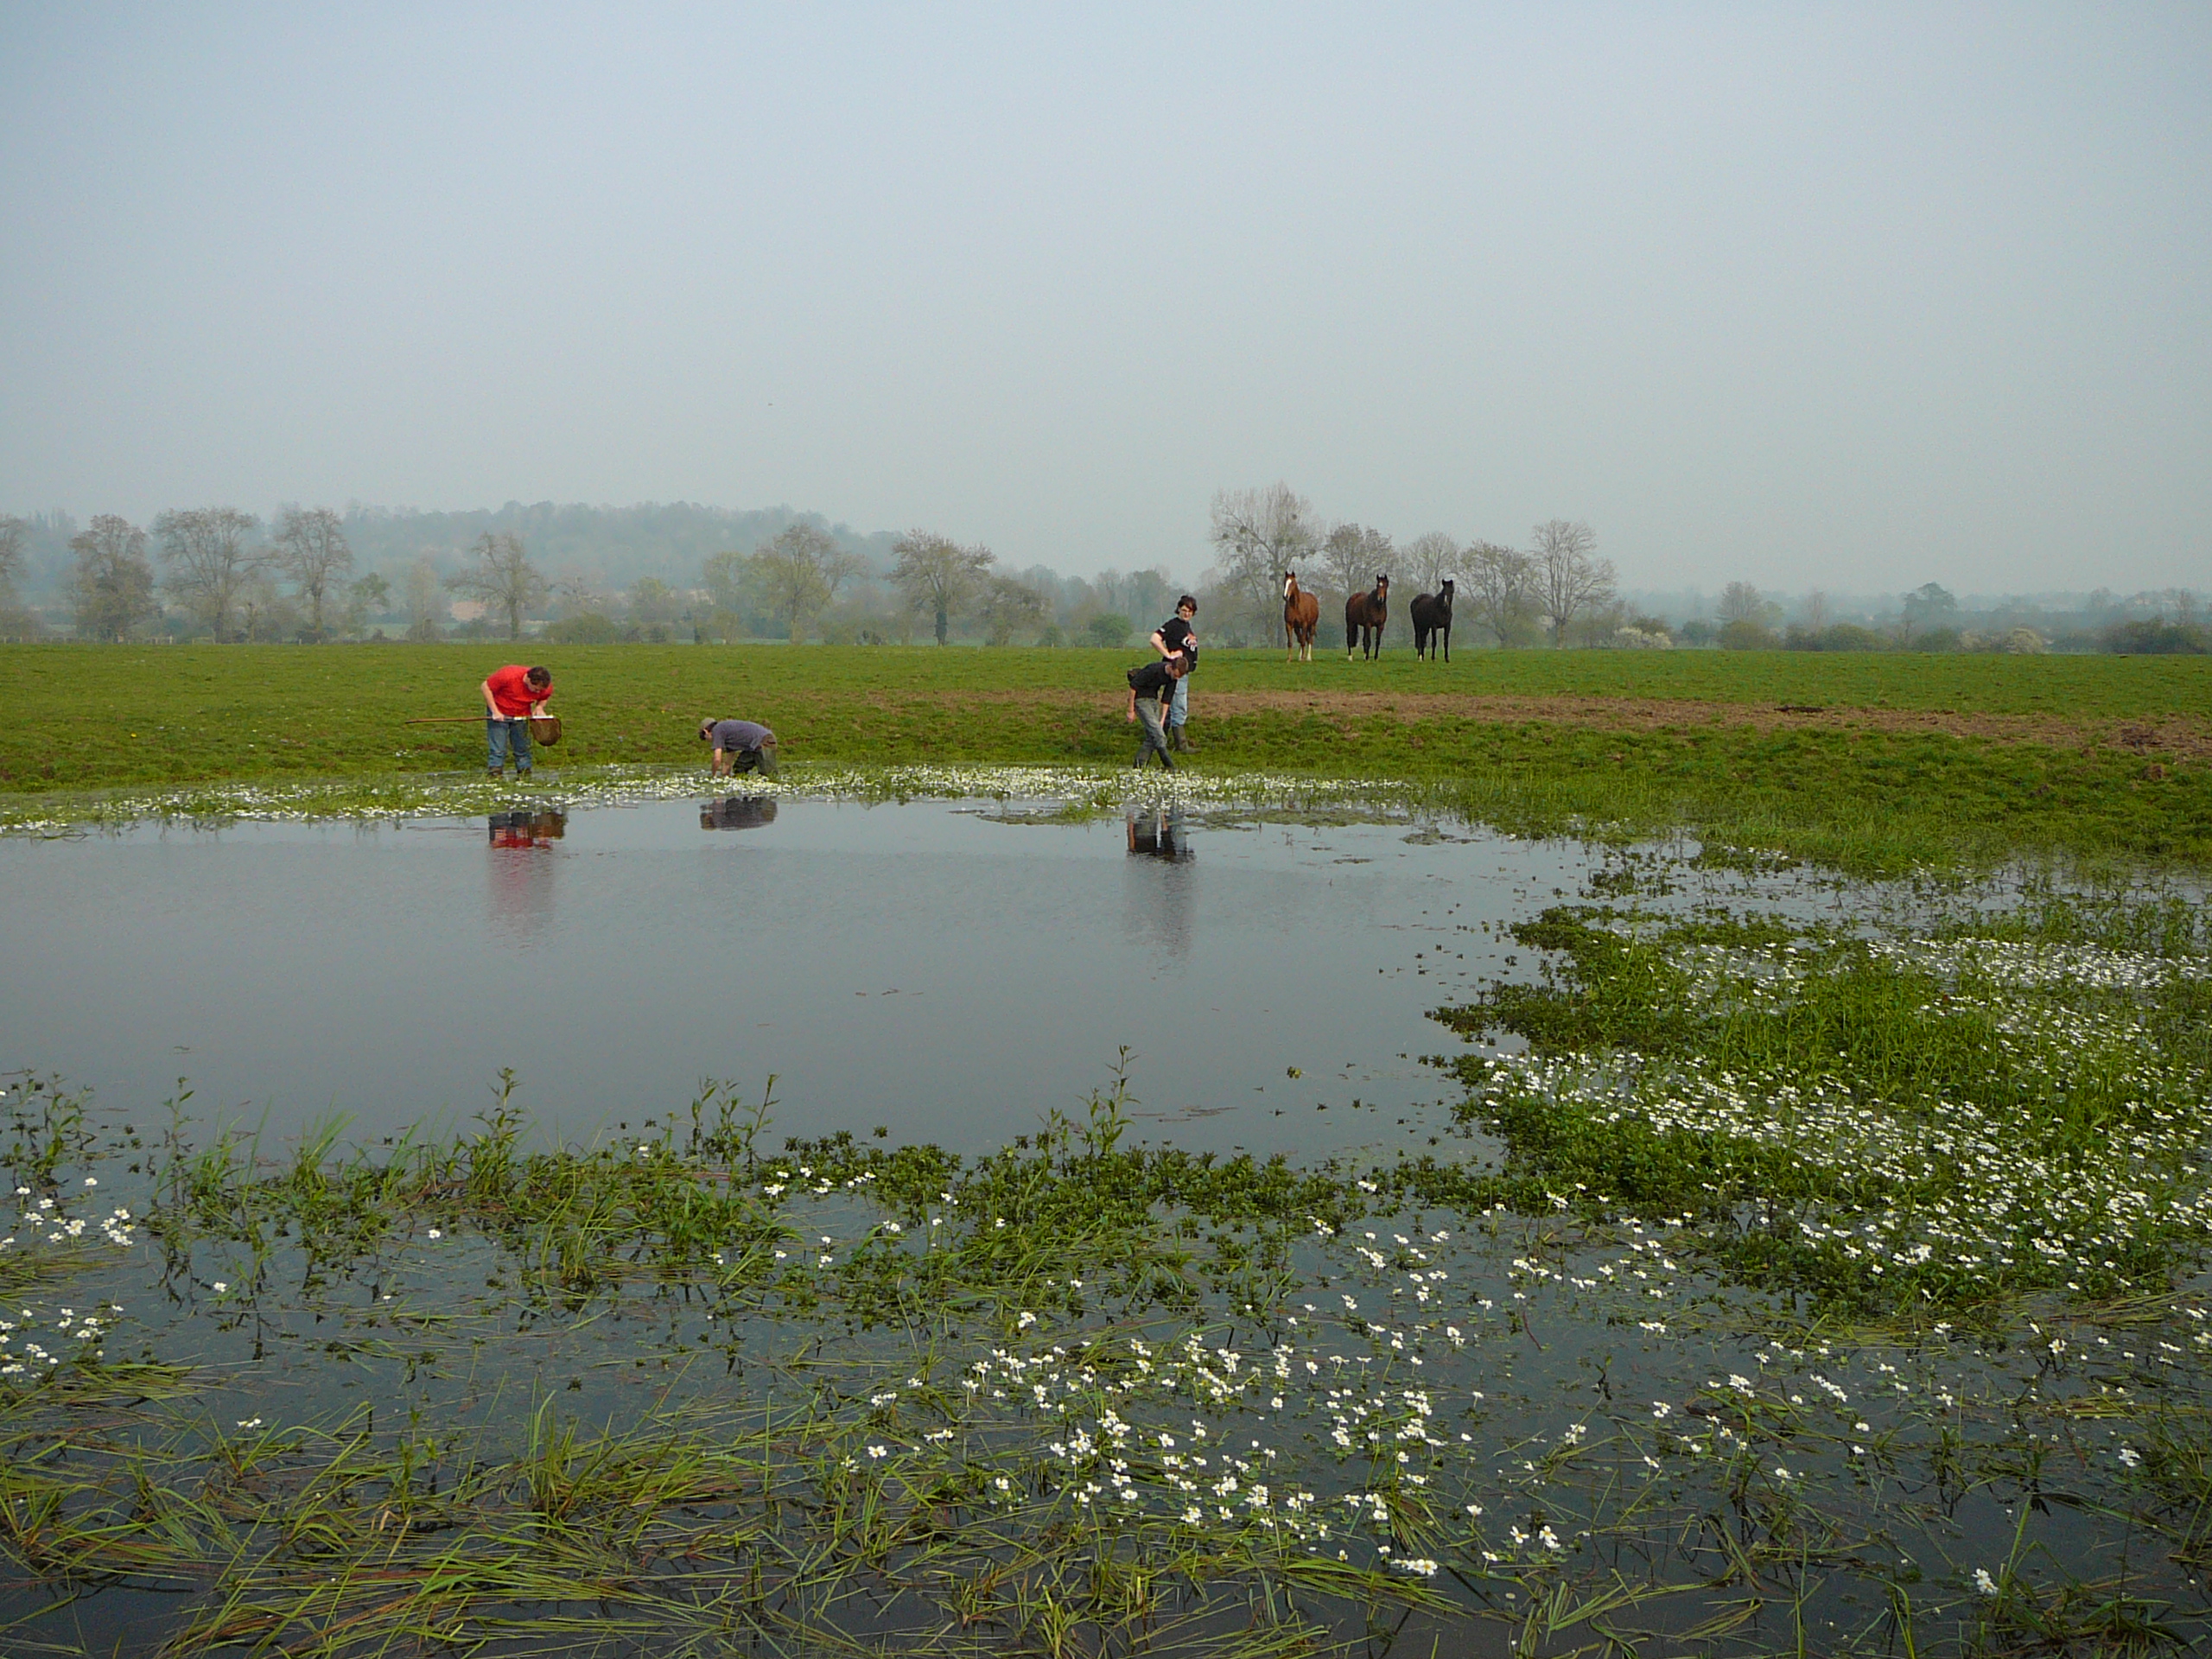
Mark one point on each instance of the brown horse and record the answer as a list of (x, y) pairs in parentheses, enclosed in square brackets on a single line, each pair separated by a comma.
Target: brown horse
[(1364, 615), (1301, 617)]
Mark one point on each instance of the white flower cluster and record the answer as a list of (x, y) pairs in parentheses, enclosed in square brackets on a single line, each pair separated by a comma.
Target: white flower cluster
[(47, 1220), (21, 1354), (1996, 1199)]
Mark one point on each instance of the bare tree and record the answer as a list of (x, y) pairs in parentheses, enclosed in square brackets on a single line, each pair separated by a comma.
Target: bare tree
[(1569, 575), (312, 549), (1006, 605), (111, 590), (653, 603), (1741, 602), (724, 577), (1427, 560), (426, 605), (14, 533), (791, 576), (1353, 555), (1258, 534), (366, 596), (1499, 585), (504, 579), (210, 557), (1816, 611), (935, 573)]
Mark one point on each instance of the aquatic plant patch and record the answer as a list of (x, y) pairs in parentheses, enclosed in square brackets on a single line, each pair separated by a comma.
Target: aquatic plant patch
[(688, 1389), (1884, 1123)]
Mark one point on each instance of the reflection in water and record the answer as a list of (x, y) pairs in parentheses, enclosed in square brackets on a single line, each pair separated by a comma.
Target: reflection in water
[(528, 829), (1161, 832), (522, 886), (738, 812), (1161, 885)]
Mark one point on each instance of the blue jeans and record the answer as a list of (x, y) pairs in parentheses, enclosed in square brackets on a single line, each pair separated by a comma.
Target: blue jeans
[(1179, 711), (502, 734)]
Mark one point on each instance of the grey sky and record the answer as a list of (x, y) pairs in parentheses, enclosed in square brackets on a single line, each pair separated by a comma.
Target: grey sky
[(1858, 297)]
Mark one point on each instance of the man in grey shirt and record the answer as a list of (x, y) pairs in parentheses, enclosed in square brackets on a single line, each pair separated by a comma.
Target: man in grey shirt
[(740, 745)]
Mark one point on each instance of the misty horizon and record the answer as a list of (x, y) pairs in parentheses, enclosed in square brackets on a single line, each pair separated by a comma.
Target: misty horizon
[(1921, 293)]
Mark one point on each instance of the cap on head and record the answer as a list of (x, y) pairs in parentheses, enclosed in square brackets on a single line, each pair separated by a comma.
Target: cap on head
[(706, 729)]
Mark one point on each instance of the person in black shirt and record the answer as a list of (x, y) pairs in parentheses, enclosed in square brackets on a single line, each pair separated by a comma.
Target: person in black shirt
[(1173, 638), (1150, 689)]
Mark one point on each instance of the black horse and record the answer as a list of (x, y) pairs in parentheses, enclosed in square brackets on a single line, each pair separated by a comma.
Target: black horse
[(1364, 615), (1433, 614)]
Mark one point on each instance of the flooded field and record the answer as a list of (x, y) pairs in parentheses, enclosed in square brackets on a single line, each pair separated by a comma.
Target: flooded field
[(1765, 1263), (935, 969)]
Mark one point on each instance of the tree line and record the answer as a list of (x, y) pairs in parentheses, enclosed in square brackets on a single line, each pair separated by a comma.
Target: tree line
[(220, 572), (1555, 589)]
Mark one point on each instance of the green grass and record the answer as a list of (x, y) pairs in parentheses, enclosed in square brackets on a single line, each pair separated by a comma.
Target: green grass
[(84, 721)]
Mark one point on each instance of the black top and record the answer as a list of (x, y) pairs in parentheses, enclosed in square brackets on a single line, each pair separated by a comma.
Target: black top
[(1152, 680), (1175, 634)]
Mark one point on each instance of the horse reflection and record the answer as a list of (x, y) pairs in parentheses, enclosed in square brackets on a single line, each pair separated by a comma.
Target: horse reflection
[(738, 812), (1161, 832)]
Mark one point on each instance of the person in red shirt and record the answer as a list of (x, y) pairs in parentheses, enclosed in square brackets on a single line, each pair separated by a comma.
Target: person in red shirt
[(512, 696)]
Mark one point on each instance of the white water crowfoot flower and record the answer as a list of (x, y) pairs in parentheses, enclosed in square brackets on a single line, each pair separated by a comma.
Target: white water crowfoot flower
[(1983, 1584), (579, 787)]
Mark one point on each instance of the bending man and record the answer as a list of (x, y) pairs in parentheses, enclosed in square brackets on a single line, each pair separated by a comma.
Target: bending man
[(1150, 689), (512, 696), (740, 745)]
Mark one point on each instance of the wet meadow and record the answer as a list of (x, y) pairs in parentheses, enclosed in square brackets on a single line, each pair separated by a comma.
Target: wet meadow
[(1766, 1254)]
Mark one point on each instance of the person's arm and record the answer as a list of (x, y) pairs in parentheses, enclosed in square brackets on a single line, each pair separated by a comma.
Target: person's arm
[(491, 702), (1160, 644), (1132, 702), (721, 761), (537, 706)]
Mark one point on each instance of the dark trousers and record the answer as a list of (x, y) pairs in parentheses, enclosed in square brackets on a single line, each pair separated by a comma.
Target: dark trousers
[(1155, 738)]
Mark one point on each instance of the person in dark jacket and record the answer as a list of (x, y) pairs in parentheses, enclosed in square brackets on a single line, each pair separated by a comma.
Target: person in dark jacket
[(1151, 688)]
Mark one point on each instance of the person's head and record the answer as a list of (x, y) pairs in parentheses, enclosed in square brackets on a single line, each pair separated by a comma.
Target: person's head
[(1178, 664), (540, 678), (1186, 607), (705, 731)]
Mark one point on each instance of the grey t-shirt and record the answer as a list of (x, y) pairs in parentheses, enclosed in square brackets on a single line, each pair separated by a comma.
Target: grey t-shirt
[(731, 735)]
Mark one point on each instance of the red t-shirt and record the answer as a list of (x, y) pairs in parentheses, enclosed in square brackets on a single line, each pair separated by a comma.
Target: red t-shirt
[(511, 694)]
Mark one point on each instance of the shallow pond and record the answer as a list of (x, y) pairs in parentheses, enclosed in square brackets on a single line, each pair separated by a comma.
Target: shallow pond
[(947, 972), (678, 1390)]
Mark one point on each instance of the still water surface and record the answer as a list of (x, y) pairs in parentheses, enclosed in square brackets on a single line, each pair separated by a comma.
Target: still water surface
[(930, 968)]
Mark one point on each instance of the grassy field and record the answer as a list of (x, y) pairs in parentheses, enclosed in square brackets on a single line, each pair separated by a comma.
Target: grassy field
[(1876, 760)]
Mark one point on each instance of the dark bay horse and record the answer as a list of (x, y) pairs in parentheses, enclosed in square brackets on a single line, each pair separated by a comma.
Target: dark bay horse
[(1432, 613), (1301, 617), (1364, 615)]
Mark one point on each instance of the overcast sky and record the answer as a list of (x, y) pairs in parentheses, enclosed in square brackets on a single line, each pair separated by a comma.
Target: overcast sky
[(1859, 297)]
